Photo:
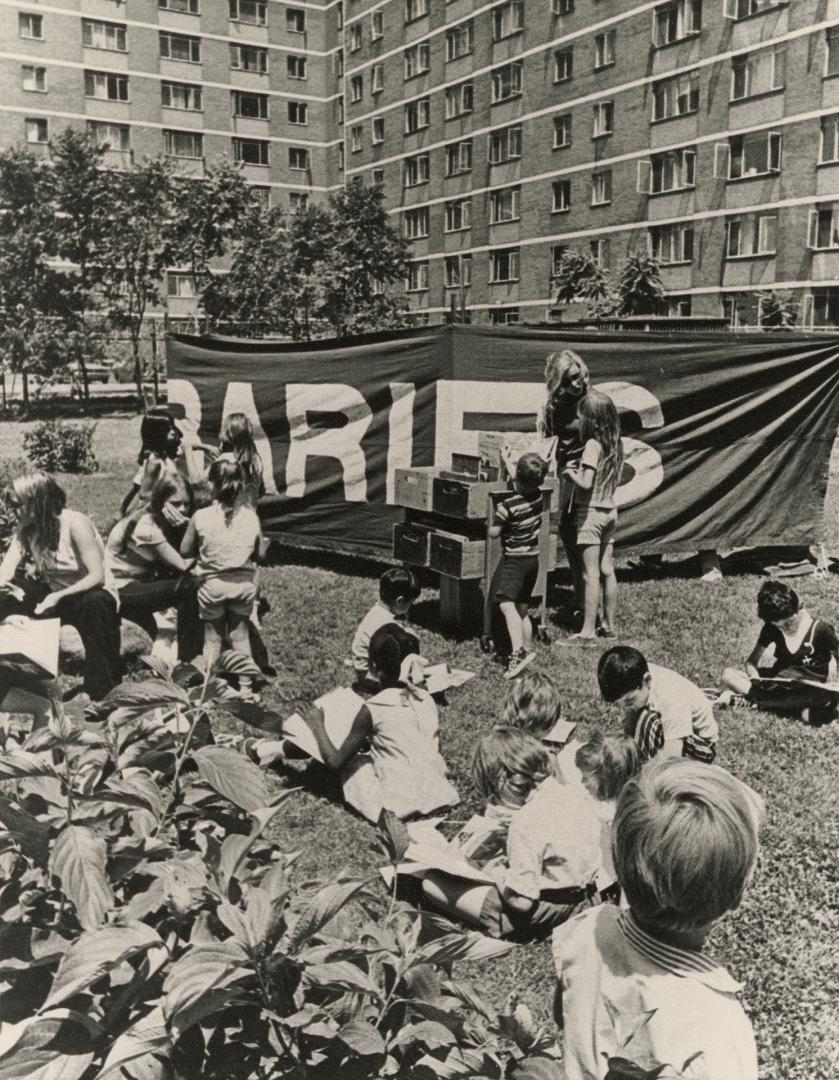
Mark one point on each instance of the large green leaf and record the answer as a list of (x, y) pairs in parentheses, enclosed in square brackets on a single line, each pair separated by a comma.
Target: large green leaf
[(232, 662), (362, 1038), (95, 953), (78, 860), (340, 975), (203, 981), (31, 835), (468, 945), (233, 776), (49, 1048), (21, 763), (136, 698), (146, 1036), (235, 848), (324, 906)]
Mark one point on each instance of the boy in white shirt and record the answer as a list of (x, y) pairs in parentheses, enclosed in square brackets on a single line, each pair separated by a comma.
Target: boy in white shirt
[(398, 589)]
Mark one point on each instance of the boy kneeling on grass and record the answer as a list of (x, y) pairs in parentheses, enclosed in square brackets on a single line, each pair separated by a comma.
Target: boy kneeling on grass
[(665, 713), (684, 841)]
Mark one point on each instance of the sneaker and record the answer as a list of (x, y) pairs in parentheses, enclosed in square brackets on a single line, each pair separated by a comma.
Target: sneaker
[(518, 662)]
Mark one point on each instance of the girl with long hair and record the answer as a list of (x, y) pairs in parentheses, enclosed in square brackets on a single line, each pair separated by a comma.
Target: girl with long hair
[(66, 576), (236, 443), (595, 480), (161, 441)]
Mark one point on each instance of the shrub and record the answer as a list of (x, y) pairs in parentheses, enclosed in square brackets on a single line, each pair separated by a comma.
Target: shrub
[(58, 447)]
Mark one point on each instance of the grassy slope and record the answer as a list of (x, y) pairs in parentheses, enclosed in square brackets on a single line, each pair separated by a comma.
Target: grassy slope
[(779, 944)]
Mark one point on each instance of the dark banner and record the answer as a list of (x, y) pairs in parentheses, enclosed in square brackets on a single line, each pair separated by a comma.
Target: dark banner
[(727, 437)]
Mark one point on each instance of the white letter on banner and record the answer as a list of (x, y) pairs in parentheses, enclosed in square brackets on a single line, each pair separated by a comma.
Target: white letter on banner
[(342, 443), (183, 392), (456, 397), (239, 398), (400, 443), (643, 460)]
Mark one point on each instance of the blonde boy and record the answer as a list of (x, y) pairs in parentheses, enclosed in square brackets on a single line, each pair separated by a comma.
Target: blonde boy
[(684, 846)]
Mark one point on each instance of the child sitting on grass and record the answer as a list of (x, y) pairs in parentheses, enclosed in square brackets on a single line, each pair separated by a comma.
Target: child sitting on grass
[(533, 705), (665, 713), (803, 647), (398, 589), (685, 844), (518, 519)]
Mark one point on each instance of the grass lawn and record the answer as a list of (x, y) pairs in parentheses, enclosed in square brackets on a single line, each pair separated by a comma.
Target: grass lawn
[(781, 944)]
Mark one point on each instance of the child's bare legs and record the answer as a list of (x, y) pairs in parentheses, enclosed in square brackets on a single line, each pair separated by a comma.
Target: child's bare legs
[(608, 587), (568, 536), (515, 627), (591, 584), (240, 641), (736, 680), (523, 610), (213, 637)]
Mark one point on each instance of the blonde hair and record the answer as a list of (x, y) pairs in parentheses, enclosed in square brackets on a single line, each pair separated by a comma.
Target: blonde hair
[(599, 420), (557, 367), (533, 704), (613, 759), (684, 843), (508, 754), (40, 502), (236, 438)]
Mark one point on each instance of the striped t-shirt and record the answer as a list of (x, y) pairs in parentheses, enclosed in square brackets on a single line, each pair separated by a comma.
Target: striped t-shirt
[(520, 517)]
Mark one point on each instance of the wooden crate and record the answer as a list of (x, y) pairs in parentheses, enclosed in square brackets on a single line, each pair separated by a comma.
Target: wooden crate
[(410, 543), (462, 498), (456, 556), (412, 487)]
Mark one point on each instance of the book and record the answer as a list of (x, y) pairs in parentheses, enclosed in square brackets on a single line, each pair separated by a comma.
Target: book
[(340, 708), (768, 681), (440, 677), (30, 646), (560, 733)]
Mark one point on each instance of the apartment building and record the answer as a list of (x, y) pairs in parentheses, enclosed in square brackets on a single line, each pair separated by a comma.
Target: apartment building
[(704, 131)]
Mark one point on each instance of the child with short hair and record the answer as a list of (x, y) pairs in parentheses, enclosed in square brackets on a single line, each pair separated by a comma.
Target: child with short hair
[(398, 589), (685, 842), (518, 519), (664, 712), (225, 536), (804, 648), (534, 705)]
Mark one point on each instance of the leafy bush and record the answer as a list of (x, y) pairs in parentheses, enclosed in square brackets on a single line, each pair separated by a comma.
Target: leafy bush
[(58, 447), (148, 929)]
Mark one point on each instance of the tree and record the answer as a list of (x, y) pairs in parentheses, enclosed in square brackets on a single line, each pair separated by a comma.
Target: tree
[(580, 279), (639, 285)]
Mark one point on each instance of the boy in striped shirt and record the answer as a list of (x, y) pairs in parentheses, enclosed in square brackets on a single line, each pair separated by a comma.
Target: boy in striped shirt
[(518, 518)]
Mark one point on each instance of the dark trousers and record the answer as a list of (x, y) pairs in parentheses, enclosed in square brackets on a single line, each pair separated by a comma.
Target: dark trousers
[(139, 600), (94, 615)]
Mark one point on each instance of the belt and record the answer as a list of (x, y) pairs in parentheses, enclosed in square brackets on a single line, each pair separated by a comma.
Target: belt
[(580, 894)]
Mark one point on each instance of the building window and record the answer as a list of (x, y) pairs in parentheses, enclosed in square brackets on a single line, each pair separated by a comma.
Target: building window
[(249, 58), (741, 9), (104, 35), (183, 7), (33, 78), (298, 112), (298, 201), (504, 265), (671, 243), (562, 131), (37, 130), (604, 49), (504, 145), (356, 88), (506, 82), (183, 144), (377, 177), (416, 170), (175, 95), (601, 187), (109, 136), (671, 171), (295, 66), (415, 9), (105, 87), (757, 73), (601, 253), (295, 21), (417, 115), (340, 156), (458, 215), (339, 108), (504, 316), (678, 96), (377, 27), (378, 130), (30, 26), (253, 106), (355, 37), (753, 235), (338, 64), (417, 279), (829, 148), (563, 64), (251, 151), (755, 154), (562, 7), (298, 157), (180, 47), (561, 196), (248, 11), (459, 41), (557, 252), (676, 21), (504, 206), (459, 158), (604, 115), (180, 284), (356, 136), (457, 271), (417, 59), (459, 100), (262, 194), (823, 231), (416, 223), (825, 307), (377, 78), (507, 19)]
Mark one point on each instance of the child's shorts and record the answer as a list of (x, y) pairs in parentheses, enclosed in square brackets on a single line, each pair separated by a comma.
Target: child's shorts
[(217, 597), (596, 525), (517, 578)]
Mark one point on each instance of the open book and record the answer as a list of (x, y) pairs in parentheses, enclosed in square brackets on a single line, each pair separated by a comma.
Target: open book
[(340, 707), (440, 677), (769, 681), (30, 647)]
